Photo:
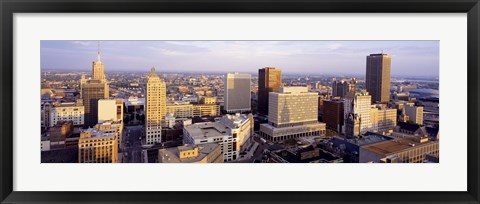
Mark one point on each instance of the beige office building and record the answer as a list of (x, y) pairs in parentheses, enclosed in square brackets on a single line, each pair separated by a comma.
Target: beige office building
[(96, 146), (110, 110), (206, 110), (155, 108), (377, 80), (208, 100), (180, 109), (98, 73), (292, 113), (202, 153), (66, 112), (414, 113), (359, 104), (382, 119), (237, 93), (115, 127)]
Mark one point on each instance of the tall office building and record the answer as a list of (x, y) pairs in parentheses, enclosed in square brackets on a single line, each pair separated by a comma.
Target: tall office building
[(342, 88), (359, 104), (98, 69), (98, 73), (377, 79), (293, 113), (269, 80), (155, 107), (237, 93), (92, 91)]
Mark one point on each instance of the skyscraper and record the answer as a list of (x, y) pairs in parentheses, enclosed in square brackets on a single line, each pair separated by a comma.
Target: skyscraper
[(98, 73), (377, 79), (98, 69), (237, 93), (269, 80), (155, 107), (92, 91), (341, 88)]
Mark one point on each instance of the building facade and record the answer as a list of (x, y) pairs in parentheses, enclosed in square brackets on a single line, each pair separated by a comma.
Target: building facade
[(201, 110), (383, 119), (110, 110), (93, 90), (377, 80), (66, 112), (232, 132), (333, 114), (96, 146), (341, 88), (269, 80), (414, 113), (400, 150), (292, 113), (359, 104), (180, 109), (237, 93), (155, 108)]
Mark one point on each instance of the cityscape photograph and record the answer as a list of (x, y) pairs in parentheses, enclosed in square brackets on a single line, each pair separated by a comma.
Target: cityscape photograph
[(239, 101)]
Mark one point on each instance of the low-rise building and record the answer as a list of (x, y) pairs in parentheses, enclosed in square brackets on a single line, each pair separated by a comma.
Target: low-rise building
[(59, 133), (67, 112), (383, 119), (200, 110), (232, 132), (303, 154), (115, 127), (202, 153), (96, 146), (180, 109), (399, 150)]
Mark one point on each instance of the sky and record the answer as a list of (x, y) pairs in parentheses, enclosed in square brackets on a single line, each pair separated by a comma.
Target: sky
[(409, 58)]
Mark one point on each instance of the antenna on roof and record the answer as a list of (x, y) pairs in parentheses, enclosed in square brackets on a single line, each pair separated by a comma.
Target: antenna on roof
[(98, 54)]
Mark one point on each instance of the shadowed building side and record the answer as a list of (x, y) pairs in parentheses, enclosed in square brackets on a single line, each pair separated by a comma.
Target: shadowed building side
[(377, 79)]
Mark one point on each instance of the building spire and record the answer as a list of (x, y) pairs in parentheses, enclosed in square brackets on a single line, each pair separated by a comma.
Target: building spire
[(98, 55)]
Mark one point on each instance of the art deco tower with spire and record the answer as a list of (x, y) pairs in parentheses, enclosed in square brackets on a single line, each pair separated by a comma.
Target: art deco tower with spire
[(155, 107), (98, 73), (98, 68)]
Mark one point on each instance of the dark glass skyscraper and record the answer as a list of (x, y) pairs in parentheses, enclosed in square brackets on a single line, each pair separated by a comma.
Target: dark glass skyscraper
[(92, 91), (269, 80), (377, 79)]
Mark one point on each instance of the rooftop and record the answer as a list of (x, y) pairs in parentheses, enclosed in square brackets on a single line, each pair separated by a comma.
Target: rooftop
[(207, 129), (393, 146), (172, 155)]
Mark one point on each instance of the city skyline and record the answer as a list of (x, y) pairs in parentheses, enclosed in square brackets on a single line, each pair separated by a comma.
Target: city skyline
[(226, 118), (411, 58)]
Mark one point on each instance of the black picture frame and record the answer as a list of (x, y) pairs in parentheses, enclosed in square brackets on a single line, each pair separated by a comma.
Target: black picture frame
[(10, 7)]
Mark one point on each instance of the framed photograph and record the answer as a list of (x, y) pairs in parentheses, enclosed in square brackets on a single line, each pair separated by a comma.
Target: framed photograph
[(239, 101)]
